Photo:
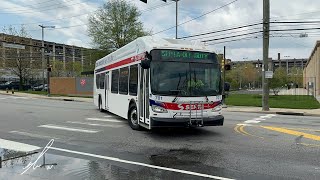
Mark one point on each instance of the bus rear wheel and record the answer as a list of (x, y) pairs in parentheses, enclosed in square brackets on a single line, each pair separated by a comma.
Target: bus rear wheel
[(133, 118)]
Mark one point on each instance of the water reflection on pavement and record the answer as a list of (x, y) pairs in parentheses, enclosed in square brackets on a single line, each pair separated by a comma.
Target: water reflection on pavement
[(74, 168)]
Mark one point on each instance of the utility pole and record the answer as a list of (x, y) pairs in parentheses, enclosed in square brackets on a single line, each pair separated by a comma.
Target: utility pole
[(48, 75), (265, 83), (42, 51), (224, 60), (176, 19)]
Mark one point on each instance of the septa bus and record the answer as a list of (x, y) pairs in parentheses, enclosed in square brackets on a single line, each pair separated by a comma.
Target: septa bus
[(155, 82)]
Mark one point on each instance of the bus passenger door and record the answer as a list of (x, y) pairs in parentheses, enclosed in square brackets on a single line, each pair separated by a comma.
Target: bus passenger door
[(106, 90), (143, 98)]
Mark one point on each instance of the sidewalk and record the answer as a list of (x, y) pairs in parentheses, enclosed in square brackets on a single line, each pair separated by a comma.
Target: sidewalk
[(63, 98), (299, 112)]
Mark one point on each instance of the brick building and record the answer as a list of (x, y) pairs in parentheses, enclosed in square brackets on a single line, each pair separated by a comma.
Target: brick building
[(30, 50)]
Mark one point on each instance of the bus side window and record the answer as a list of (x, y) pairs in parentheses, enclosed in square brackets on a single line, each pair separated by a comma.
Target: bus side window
[(102, 76), (133, 82), (115, 81), (123, 80), (97, 81)]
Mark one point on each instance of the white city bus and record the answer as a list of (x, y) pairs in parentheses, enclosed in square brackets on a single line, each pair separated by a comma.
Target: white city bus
[(155, 82)]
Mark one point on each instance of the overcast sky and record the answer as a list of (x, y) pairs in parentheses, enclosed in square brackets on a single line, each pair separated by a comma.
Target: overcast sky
[(70, 18)]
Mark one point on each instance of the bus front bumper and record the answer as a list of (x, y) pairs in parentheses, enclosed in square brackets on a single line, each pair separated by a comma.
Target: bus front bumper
[(185, 122)]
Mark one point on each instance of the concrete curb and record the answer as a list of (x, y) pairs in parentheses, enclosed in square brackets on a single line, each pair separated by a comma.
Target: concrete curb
[(280, 112), (43, 97), (291, 113)]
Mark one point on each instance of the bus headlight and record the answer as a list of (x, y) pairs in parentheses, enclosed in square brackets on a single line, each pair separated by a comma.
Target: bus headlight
[(158, 109), (217, 108)]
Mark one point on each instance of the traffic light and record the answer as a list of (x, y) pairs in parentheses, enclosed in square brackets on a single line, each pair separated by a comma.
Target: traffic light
[(227, 67), (49, 69)]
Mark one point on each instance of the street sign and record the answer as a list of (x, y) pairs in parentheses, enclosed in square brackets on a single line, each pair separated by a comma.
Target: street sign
[(269, 74), (16, 46)]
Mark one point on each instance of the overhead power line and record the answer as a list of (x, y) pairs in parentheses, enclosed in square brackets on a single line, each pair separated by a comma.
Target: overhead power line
[(60, 5), (52, 20), (256, 32), (223, 30), (216, 39), (30, 5), (197, 17), (254, 24)]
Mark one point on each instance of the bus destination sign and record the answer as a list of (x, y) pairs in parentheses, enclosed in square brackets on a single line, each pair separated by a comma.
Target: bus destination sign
[(169, 54)]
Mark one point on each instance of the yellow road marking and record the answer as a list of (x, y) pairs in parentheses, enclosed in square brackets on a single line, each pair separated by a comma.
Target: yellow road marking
[(236, 129), (310, 145), (303, 129), (241, 129), (291, 132)]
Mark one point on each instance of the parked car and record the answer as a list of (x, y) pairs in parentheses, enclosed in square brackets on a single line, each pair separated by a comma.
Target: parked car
[(41, 88), (15, 85)]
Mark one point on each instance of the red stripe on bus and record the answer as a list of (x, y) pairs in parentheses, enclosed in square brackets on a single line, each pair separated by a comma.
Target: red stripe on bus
[(175, 106), (129, 60)]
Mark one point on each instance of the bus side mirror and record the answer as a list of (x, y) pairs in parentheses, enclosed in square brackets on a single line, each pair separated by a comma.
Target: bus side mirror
[(145, 64)]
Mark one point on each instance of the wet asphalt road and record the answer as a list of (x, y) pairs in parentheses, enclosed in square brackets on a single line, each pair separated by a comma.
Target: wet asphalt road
[(248, 146)]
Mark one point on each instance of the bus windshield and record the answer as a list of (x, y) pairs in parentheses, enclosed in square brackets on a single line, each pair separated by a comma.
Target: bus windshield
[(185, 78)]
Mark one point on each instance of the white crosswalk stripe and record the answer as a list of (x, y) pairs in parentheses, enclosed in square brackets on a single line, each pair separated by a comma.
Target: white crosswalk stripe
[(104, 120), (12, 145), (33, 135), (95, 124), (53, 126)]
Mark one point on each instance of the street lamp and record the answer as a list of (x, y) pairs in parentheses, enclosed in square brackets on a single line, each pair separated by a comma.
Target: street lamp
[(42, 51)]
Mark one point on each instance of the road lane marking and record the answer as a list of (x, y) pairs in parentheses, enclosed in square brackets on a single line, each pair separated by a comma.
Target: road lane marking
[(236, 129), (12, 145), (52, 126), (95, 124), (32, 135), (142, 164), (291, 132), (302, 129), (252, 121), (241, 129), (104, 120), (241, 124)]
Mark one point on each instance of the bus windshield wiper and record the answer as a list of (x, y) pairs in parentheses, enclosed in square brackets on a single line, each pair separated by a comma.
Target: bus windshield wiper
[(177, 90)]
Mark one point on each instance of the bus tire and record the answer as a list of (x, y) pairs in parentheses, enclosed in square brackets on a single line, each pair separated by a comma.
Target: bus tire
[(133, 118)]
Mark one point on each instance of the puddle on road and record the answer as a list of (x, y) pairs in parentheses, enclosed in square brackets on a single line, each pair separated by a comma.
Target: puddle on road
[(70, 168)]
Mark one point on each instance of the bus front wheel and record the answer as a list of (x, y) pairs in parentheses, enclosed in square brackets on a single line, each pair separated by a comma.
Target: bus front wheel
[(133, 118)]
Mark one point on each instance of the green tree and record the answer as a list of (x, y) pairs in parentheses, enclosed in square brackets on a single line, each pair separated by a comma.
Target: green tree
[(296, 76), (243, 74), (91, 56), (57, 69), (279, 80), (115, 24)]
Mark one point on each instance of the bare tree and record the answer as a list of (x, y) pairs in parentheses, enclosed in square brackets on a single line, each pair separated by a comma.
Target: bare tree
[(19, 61)]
